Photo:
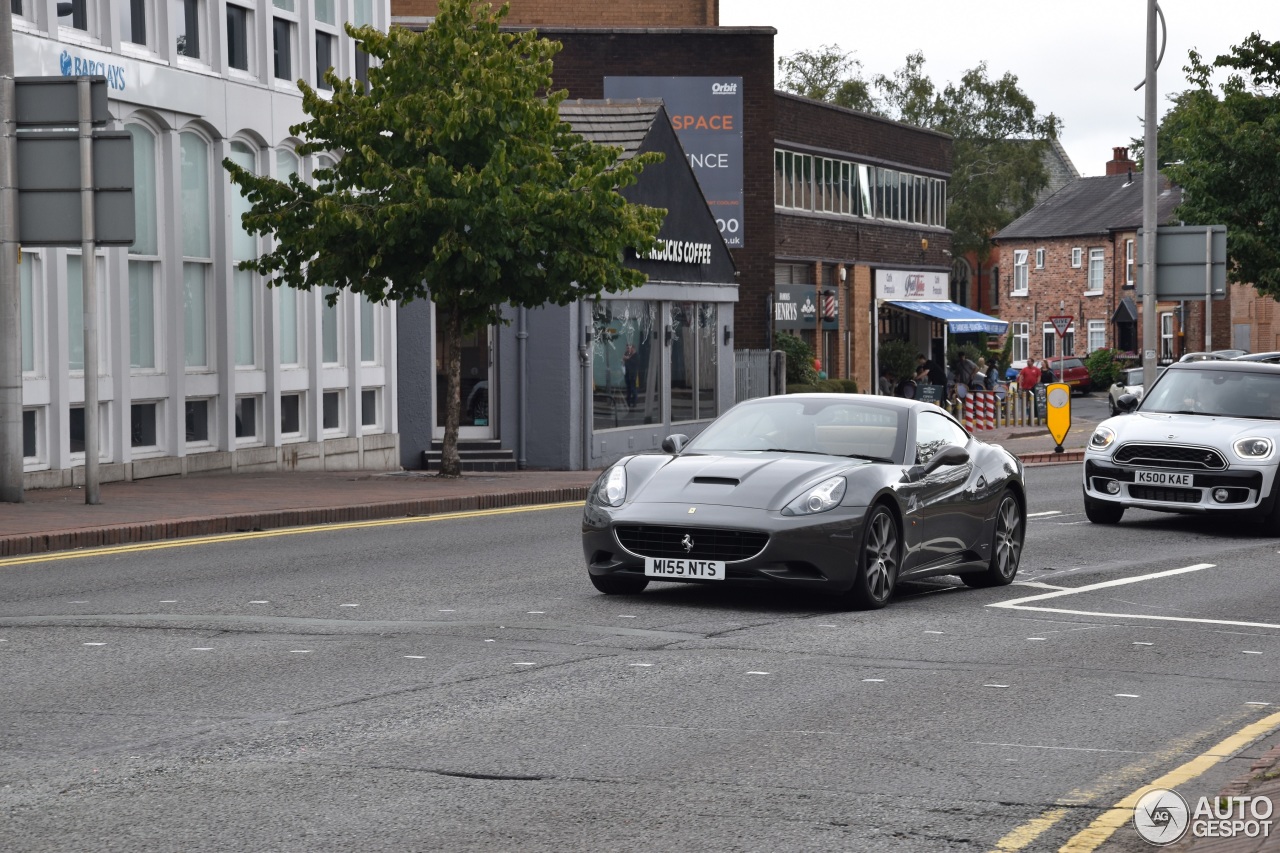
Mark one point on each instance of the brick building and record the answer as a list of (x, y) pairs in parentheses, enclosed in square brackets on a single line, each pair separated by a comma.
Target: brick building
[(1075, 254), (537, 13)]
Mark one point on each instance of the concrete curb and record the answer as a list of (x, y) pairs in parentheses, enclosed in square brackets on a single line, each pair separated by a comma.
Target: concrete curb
[(127, 534), (1052, 458)]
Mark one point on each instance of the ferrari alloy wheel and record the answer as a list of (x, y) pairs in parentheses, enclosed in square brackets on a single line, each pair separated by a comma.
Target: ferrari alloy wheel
[(1102, 512), (1006, 546), (878, 561), (618, 584)]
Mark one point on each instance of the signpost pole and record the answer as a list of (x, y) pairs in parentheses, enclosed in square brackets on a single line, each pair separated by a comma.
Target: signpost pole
[(1150, 192), (88, 264), (10, 285), (1208, 290)]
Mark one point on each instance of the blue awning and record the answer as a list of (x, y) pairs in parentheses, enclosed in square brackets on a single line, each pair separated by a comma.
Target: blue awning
[(959, 320)]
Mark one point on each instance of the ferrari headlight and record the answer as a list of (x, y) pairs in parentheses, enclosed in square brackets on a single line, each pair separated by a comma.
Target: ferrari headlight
[(614, 490), (820, 498), (1102, 438), (1253, 448)]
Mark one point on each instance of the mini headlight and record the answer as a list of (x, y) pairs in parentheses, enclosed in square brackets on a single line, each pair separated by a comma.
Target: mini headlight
[(1253, 448), (1102, 438), (820, 498), (615, 486)]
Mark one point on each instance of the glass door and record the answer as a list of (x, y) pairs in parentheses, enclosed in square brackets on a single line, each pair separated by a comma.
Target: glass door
[(478, 384)]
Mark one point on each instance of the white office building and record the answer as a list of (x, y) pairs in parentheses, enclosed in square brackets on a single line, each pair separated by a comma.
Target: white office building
[(202, 367)]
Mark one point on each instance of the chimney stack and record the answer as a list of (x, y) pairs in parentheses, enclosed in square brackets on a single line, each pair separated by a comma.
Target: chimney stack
[(1120, 162)]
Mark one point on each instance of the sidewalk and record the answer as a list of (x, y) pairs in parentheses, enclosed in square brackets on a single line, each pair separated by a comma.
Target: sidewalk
[(1261, 780), (175, 507)]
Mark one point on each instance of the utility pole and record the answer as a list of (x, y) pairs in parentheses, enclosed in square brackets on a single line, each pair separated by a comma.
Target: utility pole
[(10, 286), (88, 275), (1150, 196)]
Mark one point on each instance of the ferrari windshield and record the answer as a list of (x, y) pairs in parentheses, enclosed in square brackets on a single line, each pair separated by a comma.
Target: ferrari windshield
[(1222, 393), (853, 428)]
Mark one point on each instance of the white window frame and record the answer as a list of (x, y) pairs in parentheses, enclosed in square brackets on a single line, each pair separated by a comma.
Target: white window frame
[(1097, 332), (1095, 283), (41, 458), (1128, 263), (159, 448), (92, 31), (376, 426), (202, 37), (1020, 273), (127, 45), (1077, 257), (341, 428), (251, 42), (1040, 258), (1021, 350), (1166, 336)]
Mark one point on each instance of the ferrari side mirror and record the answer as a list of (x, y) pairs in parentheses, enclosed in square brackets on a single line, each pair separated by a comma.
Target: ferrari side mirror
[(674, 443)]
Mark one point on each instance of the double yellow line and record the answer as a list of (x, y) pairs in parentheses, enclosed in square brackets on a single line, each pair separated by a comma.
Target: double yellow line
[(1105, 825), (266, 534)]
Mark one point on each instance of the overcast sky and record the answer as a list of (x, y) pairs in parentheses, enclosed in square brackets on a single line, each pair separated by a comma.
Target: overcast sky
[(1078, 59)]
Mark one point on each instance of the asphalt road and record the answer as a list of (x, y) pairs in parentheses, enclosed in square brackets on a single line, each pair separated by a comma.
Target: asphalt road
[(457, 684)]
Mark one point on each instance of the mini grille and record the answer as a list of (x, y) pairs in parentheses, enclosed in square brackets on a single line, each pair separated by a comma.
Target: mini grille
[(1171, 456), (1152, 493), (708, 543)]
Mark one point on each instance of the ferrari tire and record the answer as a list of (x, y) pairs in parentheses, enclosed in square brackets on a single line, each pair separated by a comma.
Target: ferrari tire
[(617, 584), (1006, 546), (1102, 512), (878, 561)]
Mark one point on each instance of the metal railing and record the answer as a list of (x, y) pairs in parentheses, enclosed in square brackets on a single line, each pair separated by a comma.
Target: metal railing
[(750, 374)]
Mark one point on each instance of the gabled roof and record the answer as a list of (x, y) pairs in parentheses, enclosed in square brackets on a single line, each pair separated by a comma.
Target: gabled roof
[(1088, 206), (617, 124)]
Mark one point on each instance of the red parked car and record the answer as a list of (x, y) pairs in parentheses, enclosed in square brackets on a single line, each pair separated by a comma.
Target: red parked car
[(1073, 372)]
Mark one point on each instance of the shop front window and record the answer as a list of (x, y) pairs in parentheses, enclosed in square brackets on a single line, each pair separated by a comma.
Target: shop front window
[(626, 363), (693, 361)]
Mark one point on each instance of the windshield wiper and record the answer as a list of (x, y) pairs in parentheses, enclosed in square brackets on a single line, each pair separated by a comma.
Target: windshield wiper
[(789, 450), (868, 458)]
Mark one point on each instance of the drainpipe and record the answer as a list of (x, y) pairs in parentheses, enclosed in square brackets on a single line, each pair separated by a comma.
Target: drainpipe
[(522, 355), (584, 356)]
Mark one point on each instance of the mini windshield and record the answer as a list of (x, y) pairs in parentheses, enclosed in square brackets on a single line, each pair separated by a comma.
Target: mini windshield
[(850, 428), (1222, 393)]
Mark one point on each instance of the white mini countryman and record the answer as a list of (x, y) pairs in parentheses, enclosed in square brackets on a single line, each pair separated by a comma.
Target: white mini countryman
[(1204, 439)]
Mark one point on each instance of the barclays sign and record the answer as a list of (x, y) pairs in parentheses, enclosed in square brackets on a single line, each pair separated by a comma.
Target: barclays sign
[(77, 66)]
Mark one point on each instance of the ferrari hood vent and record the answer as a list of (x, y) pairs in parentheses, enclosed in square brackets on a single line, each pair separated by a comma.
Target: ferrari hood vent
[(717, 481)]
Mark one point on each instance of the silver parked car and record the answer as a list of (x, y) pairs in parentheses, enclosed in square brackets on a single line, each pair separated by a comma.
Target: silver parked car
[(1204, 439)]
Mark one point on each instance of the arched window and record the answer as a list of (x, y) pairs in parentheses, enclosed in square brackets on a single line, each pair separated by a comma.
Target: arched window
[(197, 257), (286, 167), (144, 254), (244, 247)]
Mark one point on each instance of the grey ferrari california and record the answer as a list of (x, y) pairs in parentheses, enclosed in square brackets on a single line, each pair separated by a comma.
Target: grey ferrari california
[(843, 494)]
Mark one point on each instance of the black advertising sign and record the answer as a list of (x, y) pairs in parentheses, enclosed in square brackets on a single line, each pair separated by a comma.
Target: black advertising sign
[(797, 306), (706, 114)]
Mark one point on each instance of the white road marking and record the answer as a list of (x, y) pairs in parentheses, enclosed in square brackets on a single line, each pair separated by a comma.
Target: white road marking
[(1128, 696), (1144, 644), (1021, 603), (348, 605), (77, 602), (488, 641), (95, 644), (620, 616), (933, 632), (537, 612), (640, 664), (1002, 686), (416, 657), (1251, 653), (524, 663), (168, 601), (259, 602), (1038, 585), (1037, 638), (203, 649), (1044, 514), (874, 680), (1259, 704), (828, 626), (757, 672), (446, 611), (300, 651)]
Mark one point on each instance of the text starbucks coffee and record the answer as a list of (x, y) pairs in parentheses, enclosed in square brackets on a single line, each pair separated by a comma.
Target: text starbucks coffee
[(681, 252)]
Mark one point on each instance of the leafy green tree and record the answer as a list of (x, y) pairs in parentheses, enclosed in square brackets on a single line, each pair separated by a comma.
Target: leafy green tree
[(827, 74), (799, 358), (455, 181), (1226, 155)]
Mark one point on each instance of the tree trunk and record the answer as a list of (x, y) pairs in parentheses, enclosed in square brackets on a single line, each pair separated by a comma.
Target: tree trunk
[(450, 462)]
